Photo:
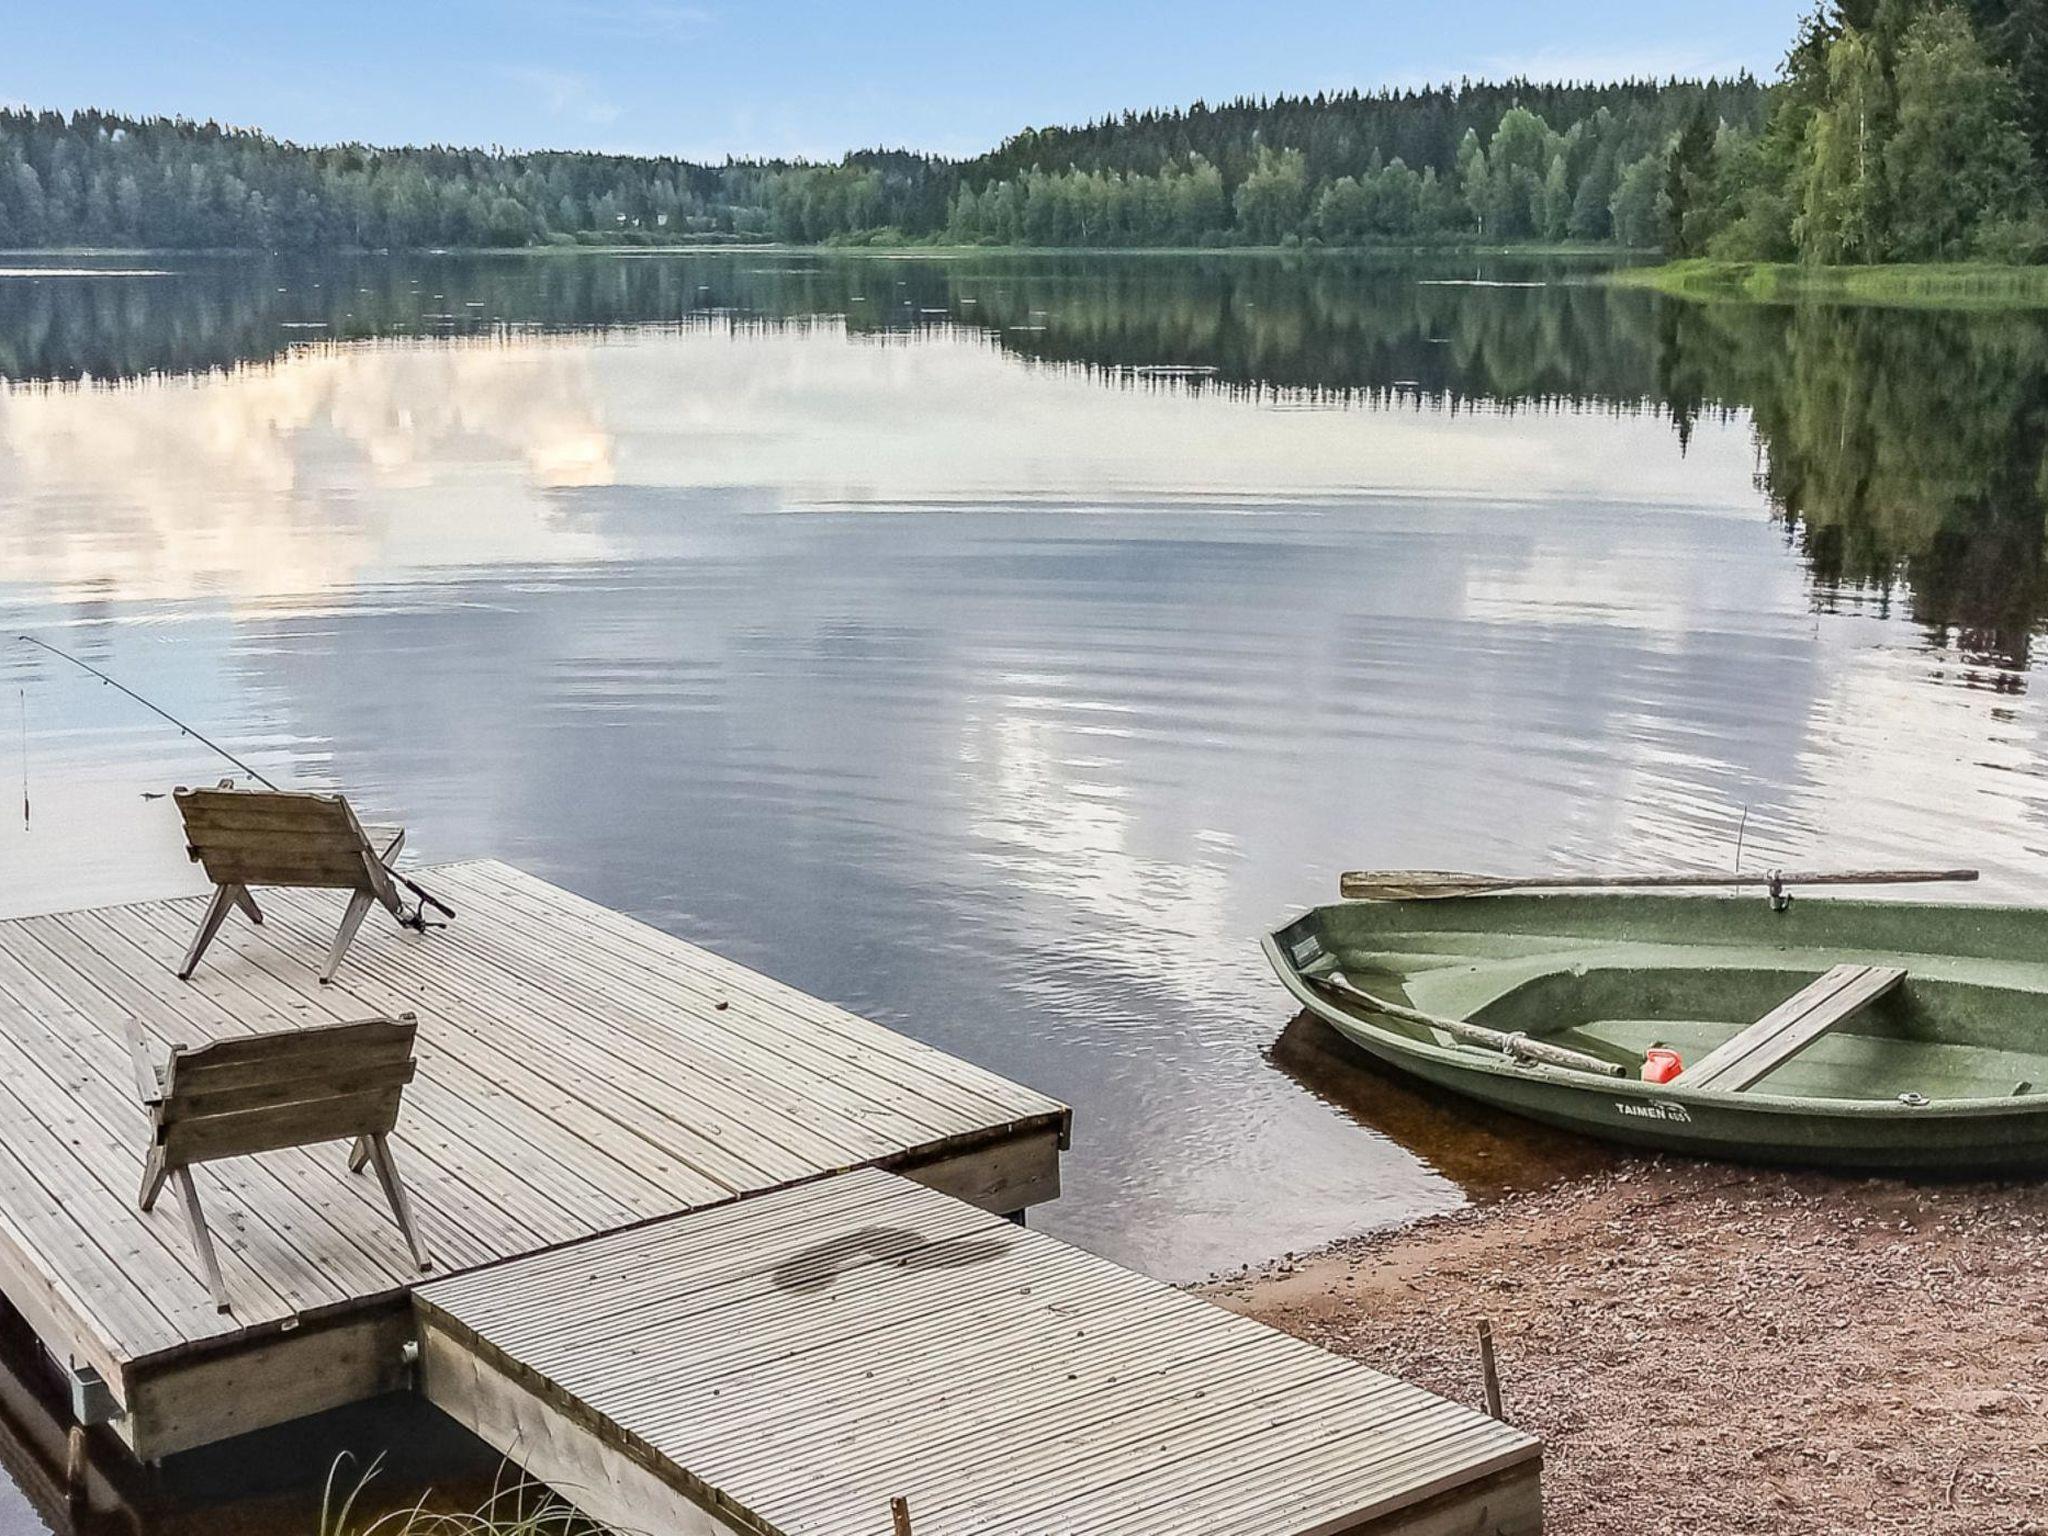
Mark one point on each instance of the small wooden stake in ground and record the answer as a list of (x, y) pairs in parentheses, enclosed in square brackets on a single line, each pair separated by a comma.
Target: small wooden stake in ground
[(899, 1513), (1488, 1372)]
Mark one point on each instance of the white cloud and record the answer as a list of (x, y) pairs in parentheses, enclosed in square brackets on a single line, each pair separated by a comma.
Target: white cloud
[(654, 20), (564, 93)]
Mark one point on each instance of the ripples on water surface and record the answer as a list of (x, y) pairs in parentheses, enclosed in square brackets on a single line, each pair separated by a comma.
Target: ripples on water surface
[(890, 627)]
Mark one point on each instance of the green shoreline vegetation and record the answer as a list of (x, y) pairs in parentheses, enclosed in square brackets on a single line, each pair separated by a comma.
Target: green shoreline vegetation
[(1945, 285), (1510, 164), (1899, 133)]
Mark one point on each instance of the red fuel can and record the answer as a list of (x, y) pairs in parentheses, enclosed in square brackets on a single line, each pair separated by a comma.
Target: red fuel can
[(1661, 1064)]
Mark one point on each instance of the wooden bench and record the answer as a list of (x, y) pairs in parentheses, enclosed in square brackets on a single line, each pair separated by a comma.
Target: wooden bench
[(257, 1093), (251, 837), (1790, 1027)]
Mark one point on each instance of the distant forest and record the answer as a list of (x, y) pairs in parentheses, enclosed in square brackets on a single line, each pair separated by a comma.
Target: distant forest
[(1900, 130)]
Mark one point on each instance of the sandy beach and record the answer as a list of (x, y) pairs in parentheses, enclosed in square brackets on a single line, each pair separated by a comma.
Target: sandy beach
[(1719, 1349)]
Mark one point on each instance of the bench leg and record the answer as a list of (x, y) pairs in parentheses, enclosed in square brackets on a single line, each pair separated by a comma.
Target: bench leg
[(248, 905), (394, 1191), (153, 1175), (359, 1155), (351, 920), (209, 925), (202, 1239)]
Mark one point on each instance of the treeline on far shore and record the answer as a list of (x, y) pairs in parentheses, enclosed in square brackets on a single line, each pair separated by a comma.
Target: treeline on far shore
[(1501, 163), (1898, 131)]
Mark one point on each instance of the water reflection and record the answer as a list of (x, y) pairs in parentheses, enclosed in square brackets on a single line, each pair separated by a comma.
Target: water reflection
[(1488, 1153), (1904, 450), (898, 628), (299, 477)]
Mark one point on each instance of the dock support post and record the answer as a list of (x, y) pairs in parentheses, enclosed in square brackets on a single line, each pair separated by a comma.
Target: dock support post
[(77, 1491)]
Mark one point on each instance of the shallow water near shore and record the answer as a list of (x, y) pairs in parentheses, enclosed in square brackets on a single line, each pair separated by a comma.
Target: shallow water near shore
[(997, 645)]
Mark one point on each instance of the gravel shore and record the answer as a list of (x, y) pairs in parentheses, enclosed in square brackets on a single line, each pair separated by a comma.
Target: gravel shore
[(1713, 1349)]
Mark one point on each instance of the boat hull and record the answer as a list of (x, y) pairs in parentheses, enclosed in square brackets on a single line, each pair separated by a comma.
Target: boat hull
[(1850, 1140), (1875, 1134)]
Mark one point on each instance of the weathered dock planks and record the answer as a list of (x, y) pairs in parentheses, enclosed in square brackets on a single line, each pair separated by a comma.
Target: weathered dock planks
[(793, 1363), (578, 1073)]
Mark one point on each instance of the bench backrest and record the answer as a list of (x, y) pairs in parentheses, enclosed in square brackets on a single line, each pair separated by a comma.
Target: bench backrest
[(277, 837), (287, 1089)]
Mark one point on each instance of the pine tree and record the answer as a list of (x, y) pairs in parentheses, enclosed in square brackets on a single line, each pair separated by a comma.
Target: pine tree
[(1688, 187)]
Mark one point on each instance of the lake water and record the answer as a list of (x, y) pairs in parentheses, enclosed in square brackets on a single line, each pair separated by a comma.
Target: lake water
[(997, 646)]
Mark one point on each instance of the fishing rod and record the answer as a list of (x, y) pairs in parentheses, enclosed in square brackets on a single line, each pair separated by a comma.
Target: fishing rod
[(164, 714), (427, 899)]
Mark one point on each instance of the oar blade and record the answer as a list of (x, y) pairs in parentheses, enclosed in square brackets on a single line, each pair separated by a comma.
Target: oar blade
[(1411, 884)]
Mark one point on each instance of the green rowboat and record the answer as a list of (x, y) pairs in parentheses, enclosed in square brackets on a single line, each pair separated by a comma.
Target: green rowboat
[(1866, 1035)]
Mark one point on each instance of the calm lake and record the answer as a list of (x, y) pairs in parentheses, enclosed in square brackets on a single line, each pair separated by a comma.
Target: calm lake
[(996, 646)]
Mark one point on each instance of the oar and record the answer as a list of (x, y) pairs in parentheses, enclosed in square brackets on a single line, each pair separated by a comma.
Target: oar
[(1517, 1044), (1436, 884)]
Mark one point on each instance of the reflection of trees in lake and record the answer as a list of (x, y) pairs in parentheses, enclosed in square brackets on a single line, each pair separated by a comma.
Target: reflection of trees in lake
[(1904, 449)]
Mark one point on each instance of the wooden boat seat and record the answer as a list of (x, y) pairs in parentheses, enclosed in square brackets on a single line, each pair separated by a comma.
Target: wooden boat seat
[(251, 837), (1790, 1027)]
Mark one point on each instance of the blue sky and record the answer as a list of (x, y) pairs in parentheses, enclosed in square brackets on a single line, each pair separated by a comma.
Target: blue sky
[(709, 77)]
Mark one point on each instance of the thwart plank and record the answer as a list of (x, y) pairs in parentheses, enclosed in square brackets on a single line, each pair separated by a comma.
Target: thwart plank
[(1791, 1027)]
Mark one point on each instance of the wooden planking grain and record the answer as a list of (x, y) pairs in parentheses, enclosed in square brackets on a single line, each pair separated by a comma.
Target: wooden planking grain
[(905, 1063), (305, 1289), (849, 1415), (105, 1135), (715, 1048), (1081, 1431), (268, 1380), (563, 1088), (726, 1228), (956, 1083), (310, 1260), (1214, 1472), (731, 1023), (588, 1112), (1001, 1381), (1006, 1176), (617, 1489), (693, 1120), (499, 1140), (469, 1222)]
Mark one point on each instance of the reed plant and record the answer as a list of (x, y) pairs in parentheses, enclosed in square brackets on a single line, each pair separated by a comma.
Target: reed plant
[(517, 1506)]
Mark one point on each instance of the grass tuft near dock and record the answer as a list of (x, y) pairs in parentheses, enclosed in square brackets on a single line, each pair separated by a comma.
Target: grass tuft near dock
[(1955, 285), (1712, 1348), (517, 1506)]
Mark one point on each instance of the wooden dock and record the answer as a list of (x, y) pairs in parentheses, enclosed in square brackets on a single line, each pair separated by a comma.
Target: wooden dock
[(579, 1073), (790, 1365), (712, 1256)]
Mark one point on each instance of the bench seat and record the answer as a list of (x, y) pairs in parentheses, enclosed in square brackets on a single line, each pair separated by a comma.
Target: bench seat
[(1790, 1027)]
